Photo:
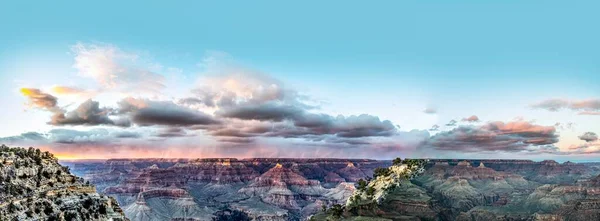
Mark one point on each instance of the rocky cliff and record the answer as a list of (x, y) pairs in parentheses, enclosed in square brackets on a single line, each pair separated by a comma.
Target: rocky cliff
[(472, 190), (35, 187)]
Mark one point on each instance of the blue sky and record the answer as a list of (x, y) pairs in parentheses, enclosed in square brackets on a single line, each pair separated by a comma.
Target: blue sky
[(493, 59)]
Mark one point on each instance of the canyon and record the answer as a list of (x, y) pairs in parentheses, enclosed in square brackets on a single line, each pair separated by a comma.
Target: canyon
[(195, 189), (297, 189)]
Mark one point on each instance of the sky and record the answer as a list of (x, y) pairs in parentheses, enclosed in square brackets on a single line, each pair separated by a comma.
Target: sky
[(437, 79)]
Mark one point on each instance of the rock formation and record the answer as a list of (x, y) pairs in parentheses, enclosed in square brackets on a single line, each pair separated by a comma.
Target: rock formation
[(294, 189), (35, 187), (265, 188)]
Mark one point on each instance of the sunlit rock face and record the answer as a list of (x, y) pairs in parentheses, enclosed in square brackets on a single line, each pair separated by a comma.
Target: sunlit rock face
[(265, 188), (282, 186), (35, 187)]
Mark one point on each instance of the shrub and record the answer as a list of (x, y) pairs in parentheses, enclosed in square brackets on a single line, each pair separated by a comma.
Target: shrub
[(370, 191), (381, 172), (231, 215), (337, 210), (362, 185)]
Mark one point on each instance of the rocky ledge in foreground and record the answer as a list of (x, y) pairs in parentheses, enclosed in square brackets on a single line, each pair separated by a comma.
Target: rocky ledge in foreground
[(33, 186)]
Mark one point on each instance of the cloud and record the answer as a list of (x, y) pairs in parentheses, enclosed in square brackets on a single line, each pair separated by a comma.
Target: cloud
[(127, 134), (172, 132), (472, 118), (87, 113), (363, 125), (275, 110), (237, 140), (312, 127), (564, 126), (588, 105), (265, 111), (552, 104), (145, 112), (231, 106), (37, 98), (28, 136), (435, 127), (452, 123), (67, 90), (430, 110), (589, 113), (115, 69), (105, 143), (589, 137), (585, 107), (512, 136), (63, 136), (193, 101)]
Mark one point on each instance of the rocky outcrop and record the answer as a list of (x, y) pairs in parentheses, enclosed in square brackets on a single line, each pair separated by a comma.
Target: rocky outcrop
[(281, 186), (218, 171), (461, 186), (547, 171), (580, 201), (35, 187), (140, 211), (351, 173), (341, 193), (166, 204), (411, 201)]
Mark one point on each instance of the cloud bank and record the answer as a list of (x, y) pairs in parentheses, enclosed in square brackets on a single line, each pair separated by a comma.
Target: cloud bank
[(584, 107), (515, 136), (234, 111)]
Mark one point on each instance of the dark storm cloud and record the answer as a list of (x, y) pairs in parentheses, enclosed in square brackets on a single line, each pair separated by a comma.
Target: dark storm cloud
[(238, 140), (472, 118), (127, 134), (586, 107), (589, 137), (172, 132), (314, 127), (147, 113), (268, 111), (231, 132), (495, 136), (363, 125), (173, 116), (87, 113)]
